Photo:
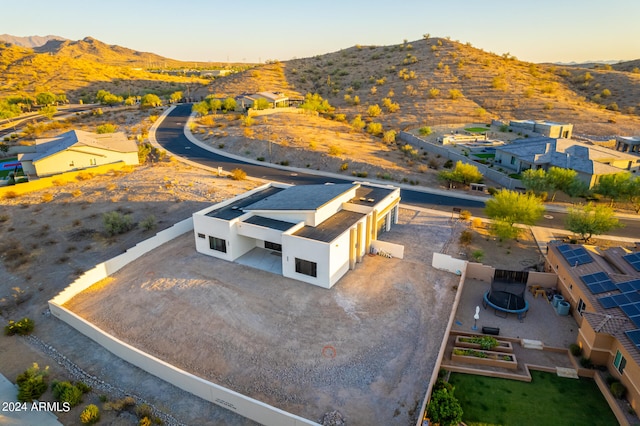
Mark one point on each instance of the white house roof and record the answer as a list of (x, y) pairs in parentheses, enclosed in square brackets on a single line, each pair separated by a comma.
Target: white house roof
[(117, 142), (301, 198)]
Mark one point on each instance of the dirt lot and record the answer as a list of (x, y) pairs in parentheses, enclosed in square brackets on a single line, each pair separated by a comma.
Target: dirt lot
[(365, 348)]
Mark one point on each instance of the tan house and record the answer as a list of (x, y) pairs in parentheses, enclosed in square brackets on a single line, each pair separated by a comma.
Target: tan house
[(603, 289), (77, 149)]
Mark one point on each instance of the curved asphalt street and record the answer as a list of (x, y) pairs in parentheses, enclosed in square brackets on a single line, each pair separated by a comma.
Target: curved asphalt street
[(170, 135)]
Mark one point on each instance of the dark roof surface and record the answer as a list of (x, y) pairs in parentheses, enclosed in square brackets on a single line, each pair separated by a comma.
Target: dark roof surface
[(266, 222), (366, 193), (235, 209), (331, 228), (302, 197)]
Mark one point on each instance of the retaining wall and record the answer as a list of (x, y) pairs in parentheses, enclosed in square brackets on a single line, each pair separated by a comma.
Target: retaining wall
[(226, 398), (491, 174)]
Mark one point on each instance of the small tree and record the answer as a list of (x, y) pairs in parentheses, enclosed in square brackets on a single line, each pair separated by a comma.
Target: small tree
[(116, 223), (150, 100), (444, 408), (535, 180), (389, 136), (374, 128), (229, 104), (509, 207), (106, 128), (261, 103), (374, 110), (201, 108), (462, 173), (45, 98), (175, 97), (48, 111), (560, 179), (590, 220), (614, 186)]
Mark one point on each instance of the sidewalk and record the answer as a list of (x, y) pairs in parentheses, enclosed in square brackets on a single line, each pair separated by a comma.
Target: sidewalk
[(14, 417)]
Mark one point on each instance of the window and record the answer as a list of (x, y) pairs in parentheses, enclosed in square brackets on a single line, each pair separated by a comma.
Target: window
[(581, 307), (218, 244), (307, 268), (619, 362), (272, 246), (200, 235), (513, 160)]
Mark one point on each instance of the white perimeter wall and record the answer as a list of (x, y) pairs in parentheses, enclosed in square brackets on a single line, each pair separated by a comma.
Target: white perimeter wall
[(447, 263), (226, 398)]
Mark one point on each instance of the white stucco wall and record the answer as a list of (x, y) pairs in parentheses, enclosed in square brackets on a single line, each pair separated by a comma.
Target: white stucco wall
[(88, 157), (214, 227), (332, 207), (311, 250), (339, 257)]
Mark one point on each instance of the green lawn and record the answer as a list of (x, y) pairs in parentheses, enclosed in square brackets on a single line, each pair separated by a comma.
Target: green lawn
[(5, 172), (547, 400), (477, 129), (485, 155)]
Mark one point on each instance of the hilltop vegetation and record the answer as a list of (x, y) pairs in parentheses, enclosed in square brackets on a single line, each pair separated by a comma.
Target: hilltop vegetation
[(435, 81)]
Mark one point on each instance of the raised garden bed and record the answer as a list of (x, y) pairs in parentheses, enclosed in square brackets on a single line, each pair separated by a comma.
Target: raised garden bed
[(482, 357), (464, 342)]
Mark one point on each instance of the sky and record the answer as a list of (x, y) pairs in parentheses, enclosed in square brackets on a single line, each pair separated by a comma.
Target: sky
[(260, 30)]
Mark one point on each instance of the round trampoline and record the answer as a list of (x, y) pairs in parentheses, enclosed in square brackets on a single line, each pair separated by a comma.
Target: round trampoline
[(507, 298)]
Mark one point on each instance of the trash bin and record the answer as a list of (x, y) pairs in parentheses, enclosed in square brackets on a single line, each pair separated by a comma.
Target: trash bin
[(563, 308), (557, 298)]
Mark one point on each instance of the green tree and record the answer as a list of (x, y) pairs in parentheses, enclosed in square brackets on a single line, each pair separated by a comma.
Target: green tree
[(507, 208), (462, 173), (214, 104), (176, 97), (261, 103), (615, 186), (560, 179), (150, 100), (106, 128), (45, 98), (130, 101), (314, 102), (229, 104), (201, 108), (589, 220), (48, 111), (444, 408), (535, 180)]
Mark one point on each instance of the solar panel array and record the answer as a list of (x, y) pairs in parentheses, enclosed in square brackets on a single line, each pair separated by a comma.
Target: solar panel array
[(599, 282), (627, 298), (633, 259), (575, 256)]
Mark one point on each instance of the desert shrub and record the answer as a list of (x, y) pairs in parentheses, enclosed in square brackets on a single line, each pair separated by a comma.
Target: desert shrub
[(148, 223), (334, 150), (357, 123), (344, 166), (144, 410), (477, 255), (84, 388), (66, 392), (476, 223), (444, 408), (575, 349), (455, 94), (374, 110), (145, 421), (10, 195), (116, 223), (389, 136), (47, 197), (586, 362), (32, 383), (374, 128), (466, 237), (465, 215), (448, 164), (76, 193), (618, 390), (425, 131), (84, 176), (238, 174), (106, 128), (247, 121), (90, 415), (492, 191), (23, 327), (362, 174)]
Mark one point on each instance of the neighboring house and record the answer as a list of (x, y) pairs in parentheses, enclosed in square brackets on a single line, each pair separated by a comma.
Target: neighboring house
[(602, 287), (311, 233), (542, 128), (589, 161), (628, 144), (277, 100), (77, 149)]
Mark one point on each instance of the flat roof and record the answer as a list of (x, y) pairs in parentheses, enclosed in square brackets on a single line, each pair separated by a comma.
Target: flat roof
[(302, 197), (266, 222), (331, 228), (235, 209), (370, 195)]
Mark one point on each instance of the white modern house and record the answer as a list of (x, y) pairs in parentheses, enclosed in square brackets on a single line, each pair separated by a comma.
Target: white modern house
[(276, 100), (77, 149), (311, 233)]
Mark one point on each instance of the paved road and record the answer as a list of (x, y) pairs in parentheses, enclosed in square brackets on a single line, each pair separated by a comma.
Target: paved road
[(170, 134)]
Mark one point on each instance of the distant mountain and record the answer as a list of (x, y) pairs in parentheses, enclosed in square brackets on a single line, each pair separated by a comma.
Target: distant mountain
[(30, 41)]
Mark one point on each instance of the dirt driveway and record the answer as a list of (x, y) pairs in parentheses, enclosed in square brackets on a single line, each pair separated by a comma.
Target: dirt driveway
[(366, 348)]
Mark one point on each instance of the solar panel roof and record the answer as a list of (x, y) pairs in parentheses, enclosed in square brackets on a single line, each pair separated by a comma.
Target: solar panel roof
[(576, 256), (599, 282), (634, 336), (634, 260)]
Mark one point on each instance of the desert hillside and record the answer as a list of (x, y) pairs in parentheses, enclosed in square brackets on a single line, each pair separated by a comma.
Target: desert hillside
[(435, 81)]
